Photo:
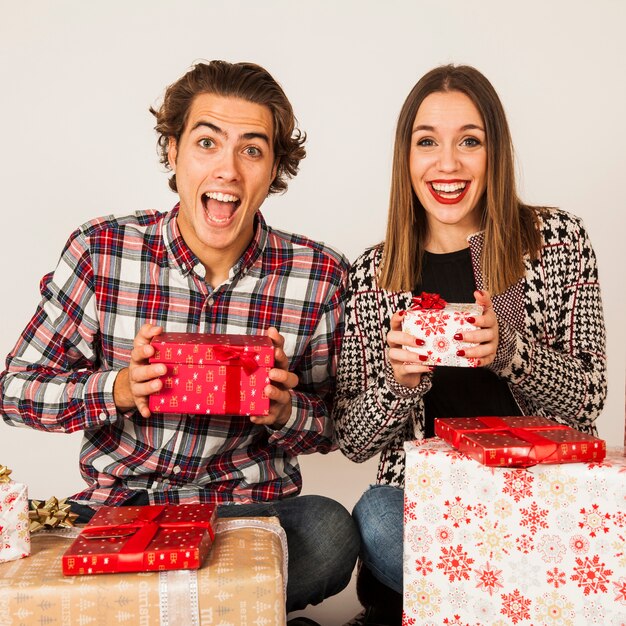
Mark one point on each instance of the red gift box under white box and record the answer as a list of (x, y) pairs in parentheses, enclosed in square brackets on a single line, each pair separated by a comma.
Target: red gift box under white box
[(436, 322), (519, 441), (14, 522), (490, 546), (213, 374), (142, 539)]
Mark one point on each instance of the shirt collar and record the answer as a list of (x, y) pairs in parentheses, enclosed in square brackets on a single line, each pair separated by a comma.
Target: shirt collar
[(180, 255)]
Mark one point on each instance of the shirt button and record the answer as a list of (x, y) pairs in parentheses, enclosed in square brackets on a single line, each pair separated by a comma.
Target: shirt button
[(210, 301), (184, 266), (176, 469), (103, 417)]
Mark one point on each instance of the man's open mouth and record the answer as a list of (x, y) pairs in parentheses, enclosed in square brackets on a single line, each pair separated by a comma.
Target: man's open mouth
[(220, 207)]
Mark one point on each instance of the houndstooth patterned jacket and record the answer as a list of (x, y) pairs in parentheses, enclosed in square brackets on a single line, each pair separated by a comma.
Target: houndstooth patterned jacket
[(551, 349)]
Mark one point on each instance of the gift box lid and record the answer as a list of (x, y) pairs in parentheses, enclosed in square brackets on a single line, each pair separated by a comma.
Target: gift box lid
[(205, 348)]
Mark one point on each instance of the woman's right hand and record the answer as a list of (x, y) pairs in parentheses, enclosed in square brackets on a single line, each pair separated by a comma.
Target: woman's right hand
[(408, 367)]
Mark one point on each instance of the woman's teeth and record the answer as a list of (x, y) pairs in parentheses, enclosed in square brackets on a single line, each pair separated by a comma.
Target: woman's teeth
[(449, 188)]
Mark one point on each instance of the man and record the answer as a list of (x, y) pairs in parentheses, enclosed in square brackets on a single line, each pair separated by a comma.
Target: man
[(209, 265)]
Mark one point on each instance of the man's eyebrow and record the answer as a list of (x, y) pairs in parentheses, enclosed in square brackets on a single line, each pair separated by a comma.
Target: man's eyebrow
[(219, 131), (431, 129)]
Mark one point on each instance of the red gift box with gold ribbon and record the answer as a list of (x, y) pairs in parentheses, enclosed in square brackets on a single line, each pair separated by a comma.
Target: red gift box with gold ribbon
[(519, 441), (213, 374), (142, 539)]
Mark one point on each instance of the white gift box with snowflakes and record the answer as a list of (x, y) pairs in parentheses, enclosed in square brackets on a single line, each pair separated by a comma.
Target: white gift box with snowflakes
[(14, 523), (498, 546), (439, 329)]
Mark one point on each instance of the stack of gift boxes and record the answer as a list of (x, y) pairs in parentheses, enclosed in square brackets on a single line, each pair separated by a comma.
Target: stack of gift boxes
[(509, 520), (171, 564)]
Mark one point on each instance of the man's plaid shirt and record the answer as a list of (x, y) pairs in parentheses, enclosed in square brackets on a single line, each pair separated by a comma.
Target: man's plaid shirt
[(116, 274)]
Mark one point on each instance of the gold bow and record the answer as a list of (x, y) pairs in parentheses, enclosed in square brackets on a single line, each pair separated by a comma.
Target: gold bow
[(51, 514), (4, 474)]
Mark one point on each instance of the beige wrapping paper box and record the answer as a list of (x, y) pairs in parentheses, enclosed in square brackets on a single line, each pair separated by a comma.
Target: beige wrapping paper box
[(242, 582)]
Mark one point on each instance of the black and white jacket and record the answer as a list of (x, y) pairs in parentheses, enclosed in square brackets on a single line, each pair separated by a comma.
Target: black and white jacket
[(551, 350)]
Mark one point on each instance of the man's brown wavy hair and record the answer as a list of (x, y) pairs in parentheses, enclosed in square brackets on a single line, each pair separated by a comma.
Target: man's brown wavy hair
[(246, 81)]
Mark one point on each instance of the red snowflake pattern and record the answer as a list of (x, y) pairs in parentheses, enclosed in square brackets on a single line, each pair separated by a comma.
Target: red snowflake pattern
[(525, 544), (591, 575), (518, 484), (444, 534), (620, 590), (441, 344), (579, 544), (594, 521), (407, 621), (423, 566), (488, 579), (619, 519), (457, 512), (433, 322), (455, 563), (409, 510), (480, 510), (455, 621), (534, 517), (555, 577), (515, 606)]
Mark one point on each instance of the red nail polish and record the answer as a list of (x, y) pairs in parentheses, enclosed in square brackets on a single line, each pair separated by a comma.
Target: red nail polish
[(458, 337), (478, 363), (419, 342), (471, 320), (431, 368), (460, 352), (423, 357)]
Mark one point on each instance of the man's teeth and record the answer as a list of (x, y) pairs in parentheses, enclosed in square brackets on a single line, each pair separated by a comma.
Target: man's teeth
[(221, 197), (448, 187)]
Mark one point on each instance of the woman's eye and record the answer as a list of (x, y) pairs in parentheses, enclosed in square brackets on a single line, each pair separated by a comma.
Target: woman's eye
[(470, 142), (206, 143), (427, 143)]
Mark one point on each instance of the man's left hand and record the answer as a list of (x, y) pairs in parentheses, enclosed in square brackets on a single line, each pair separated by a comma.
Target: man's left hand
[(279, 389)]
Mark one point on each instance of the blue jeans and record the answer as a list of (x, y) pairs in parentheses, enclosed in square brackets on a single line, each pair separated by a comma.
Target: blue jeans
[(379, 515), (322, 540)]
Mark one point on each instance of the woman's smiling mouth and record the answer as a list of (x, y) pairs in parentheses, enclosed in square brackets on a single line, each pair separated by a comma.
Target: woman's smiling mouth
[(449, 191)]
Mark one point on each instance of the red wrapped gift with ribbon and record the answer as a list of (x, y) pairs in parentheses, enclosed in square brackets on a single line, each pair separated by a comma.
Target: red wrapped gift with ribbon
[(142, 539), (213, 374), (519, 441)]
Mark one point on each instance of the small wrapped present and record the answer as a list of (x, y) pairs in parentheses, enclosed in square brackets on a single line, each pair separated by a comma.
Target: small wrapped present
[(213, 374), (436, 322), (494, 546), (519, 441), (142, 539), (14, 533), (242, 581)]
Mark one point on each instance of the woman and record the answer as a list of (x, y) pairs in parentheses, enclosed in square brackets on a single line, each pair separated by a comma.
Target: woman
[(457, 228)]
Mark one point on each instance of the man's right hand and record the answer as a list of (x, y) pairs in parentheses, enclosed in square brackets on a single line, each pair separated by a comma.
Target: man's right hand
[(136, 382)]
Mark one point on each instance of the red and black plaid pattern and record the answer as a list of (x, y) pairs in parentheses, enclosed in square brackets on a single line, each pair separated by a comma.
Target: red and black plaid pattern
[(116, 274)]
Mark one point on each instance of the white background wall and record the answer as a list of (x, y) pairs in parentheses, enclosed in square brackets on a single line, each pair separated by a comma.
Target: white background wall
[(76, 80)]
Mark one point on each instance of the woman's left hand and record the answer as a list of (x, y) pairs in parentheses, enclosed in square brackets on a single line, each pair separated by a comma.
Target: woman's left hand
[(487, 335)]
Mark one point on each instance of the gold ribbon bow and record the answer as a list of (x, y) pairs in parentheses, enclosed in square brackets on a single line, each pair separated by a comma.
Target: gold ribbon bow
[(51, 514), (4, 474)]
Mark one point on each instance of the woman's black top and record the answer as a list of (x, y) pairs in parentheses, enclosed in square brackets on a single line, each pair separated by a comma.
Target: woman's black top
[(460, 391)]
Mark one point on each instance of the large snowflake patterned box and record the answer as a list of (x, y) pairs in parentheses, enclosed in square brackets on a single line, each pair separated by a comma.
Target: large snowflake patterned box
[(213, 374), (495, 546), (14, 522), (440, 325)]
